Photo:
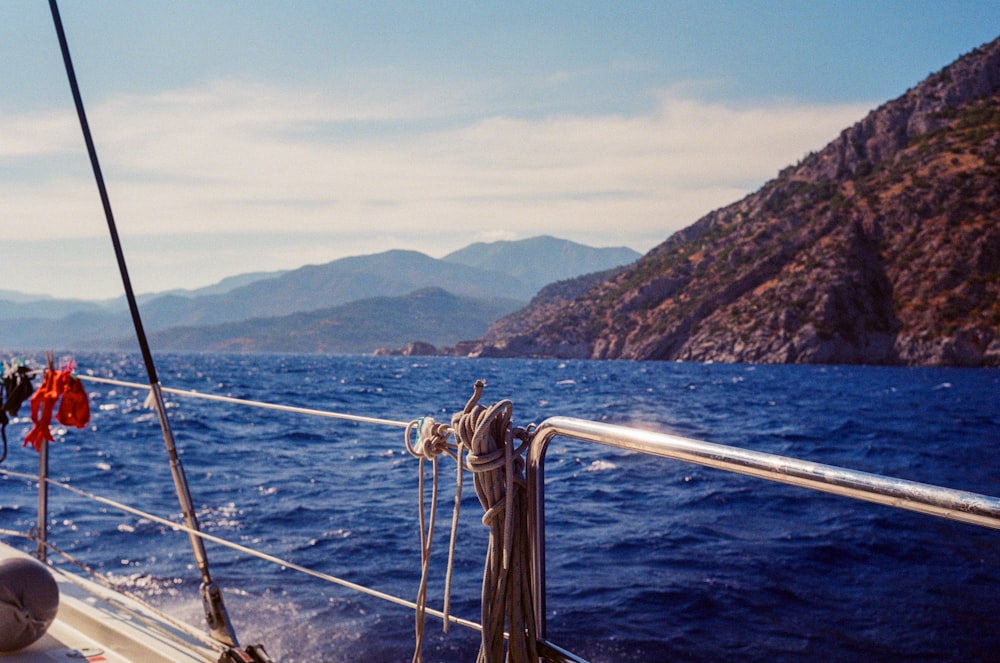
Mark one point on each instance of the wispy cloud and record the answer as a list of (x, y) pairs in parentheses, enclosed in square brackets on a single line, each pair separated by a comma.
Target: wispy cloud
[(240, 159)]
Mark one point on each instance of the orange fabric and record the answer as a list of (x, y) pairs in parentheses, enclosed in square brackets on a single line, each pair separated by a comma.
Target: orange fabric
[(75, 408), (43, 401)]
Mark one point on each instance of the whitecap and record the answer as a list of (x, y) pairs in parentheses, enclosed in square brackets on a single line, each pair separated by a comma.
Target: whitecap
[(567, 381), (336, 534), (146, 586), (601, 466)]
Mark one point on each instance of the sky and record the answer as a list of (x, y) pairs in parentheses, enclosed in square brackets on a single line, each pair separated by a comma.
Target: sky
[(254, 136)]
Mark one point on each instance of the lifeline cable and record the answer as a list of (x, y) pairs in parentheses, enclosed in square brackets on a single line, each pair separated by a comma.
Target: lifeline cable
[(215, 610), (237, 547), (259, 404)]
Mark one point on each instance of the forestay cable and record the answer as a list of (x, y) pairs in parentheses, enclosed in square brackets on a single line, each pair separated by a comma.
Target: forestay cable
[(215, 609)]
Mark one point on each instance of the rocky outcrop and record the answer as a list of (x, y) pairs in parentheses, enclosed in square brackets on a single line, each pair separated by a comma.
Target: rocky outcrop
[(882, 248), (414, 349), (922, 110)]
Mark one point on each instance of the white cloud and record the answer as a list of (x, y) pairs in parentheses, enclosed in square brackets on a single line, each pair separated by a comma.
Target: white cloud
[(242, 159), (23, 136)]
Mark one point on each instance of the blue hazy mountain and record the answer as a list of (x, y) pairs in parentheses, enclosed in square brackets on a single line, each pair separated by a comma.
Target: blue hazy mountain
[(504, 273)]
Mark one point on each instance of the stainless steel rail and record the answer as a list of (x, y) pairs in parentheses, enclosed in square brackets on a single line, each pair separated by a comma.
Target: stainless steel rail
[(959, 505)]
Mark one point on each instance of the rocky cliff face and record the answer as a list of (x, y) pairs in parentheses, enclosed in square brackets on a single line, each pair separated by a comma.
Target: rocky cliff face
[(882, 248)]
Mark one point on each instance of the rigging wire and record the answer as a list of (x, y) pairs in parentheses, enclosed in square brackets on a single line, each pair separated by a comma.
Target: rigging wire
[(215, 610), (244, 549)]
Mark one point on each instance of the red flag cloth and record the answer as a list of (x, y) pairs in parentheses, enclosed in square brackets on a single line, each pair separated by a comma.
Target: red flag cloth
[(74, 410), (43, 401)]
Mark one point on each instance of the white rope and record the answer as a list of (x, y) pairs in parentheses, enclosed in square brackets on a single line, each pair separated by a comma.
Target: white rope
[(432, 441), (487, 437)]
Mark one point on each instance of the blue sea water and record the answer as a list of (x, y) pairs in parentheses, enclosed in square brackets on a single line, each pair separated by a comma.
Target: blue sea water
[(648, 559)]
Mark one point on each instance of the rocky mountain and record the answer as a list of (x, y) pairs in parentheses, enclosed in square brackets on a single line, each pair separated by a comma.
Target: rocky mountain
[(539, 261), (881, 248)]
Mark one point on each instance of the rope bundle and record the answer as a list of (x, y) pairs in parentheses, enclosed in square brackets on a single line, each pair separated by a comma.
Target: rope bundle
[(498, 469), (486, 435)]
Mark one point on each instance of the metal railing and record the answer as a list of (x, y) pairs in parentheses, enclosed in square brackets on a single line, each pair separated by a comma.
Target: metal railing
[(963, 506), (958, 505)]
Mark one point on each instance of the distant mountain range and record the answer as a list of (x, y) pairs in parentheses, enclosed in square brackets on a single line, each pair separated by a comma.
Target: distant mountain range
[(433, 315), (485, 281), (540, 261), (881, 248)]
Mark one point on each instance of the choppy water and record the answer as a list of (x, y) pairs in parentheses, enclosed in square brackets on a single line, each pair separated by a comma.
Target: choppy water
[(648, 559)]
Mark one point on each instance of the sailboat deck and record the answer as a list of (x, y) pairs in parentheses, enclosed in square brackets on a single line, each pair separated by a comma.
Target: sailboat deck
[(97, 625)]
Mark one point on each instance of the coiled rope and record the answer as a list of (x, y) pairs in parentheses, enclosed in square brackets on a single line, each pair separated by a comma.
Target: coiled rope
[(486, 436)]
